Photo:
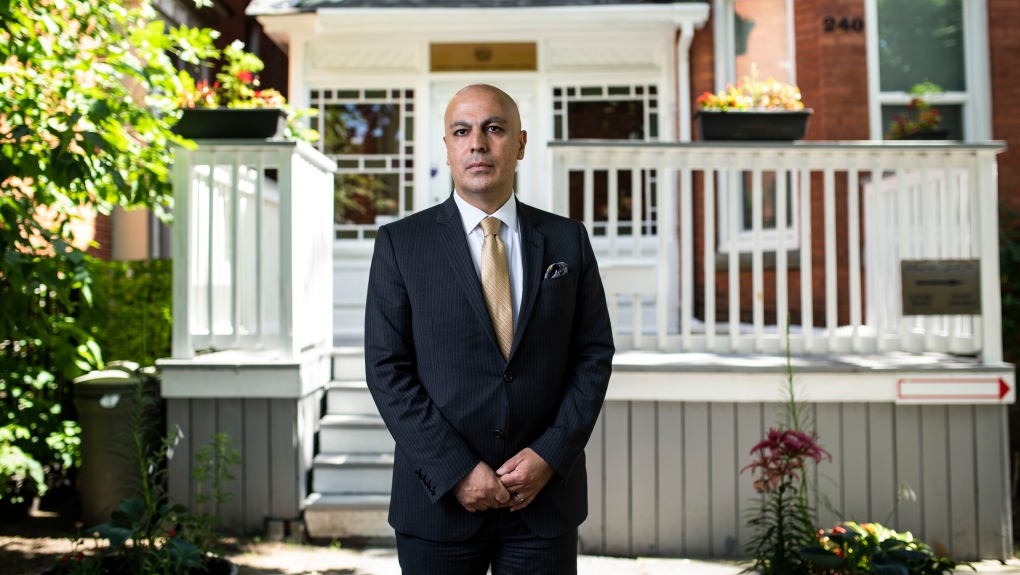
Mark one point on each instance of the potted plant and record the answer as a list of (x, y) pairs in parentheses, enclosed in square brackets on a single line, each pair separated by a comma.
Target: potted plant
[(235, 106), (759, 110), (921, 121)]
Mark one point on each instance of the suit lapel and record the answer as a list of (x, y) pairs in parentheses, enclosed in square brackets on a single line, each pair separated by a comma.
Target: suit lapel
[(462, 268), (532, 248)]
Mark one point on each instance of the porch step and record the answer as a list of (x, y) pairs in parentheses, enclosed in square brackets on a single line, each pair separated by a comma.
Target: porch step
[(346, 434), (352, 473), (350, 398), (329, 516), (349, 363)]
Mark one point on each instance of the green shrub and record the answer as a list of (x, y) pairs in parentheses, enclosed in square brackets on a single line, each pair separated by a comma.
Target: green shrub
[(132, 310)]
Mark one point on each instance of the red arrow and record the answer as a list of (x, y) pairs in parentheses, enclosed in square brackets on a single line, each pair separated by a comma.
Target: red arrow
[(1003, 388)]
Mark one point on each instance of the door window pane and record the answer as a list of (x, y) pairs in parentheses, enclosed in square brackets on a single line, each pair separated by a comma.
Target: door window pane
[(362, 129), (768, 204), (921, 40), (606, 119), (760, 32)]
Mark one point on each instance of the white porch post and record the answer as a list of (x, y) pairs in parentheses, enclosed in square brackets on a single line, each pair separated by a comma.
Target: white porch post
[(991, 304), (683, 80)]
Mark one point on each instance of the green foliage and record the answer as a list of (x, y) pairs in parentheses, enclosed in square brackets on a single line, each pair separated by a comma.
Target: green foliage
[(870, 548), (148, 521), (213, 467), (1009, 270), (132, 311), (783, 522), (86, 106), (782, 527)]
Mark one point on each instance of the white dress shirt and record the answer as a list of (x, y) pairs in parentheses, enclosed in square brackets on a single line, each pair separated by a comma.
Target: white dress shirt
[(509, 232)]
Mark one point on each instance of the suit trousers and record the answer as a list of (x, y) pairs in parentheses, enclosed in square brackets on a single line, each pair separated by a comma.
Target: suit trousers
[(503, 541)]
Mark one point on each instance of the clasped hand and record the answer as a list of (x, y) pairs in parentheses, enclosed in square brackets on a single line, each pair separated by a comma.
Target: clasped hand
[(515, 484)]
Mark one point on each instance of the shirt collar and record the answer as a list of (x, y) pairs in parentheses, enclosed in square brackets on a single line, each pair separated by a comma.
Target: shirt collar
[(471, 216)]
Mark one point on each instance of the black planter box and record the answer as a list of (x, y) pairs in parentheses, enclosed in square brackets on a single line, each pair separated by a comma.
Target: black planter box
[(231, 123), (754, 125)]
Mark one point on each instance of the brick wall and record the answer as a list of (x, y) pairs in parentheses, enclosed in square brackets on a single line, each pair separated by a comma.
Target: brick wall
[(1004, 44), (102, 234), (238, 26)]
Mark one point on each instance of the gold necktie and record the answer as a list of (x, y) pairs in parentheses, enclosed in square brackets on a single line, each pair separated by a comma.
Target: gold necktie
[(496, 284)]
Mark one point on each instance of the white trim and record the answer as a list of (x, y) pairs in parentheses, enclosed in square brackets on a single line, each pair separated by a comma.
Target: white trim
[(874, 80), (747, 384), (244, 374), (978, 69)]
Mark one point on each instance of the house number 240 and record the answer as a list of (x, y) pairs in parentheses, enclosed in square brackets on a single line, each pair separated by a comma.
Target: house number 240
[(832, 24)]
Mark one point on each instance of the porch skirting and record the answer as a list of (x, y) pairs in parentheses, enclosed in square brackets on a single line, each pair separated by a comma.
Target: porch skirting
[(664, 476), (275, 437)]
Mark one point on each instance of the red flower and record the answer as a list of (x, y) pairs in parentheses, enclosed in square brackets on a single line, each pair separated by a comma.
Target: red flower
[(245, 76), (172, 533), (782, 454), (65, 558), (79, 556)]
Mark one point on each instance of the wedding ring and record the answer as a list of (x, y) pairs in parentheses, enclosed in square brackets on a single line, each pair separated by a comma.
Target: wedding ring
[(520, 498)]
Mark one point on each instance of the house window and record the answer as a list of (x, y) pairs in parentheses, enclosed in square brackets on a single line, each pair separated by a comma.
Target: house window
[(918, 41), (610, 112), (369, 133), (756, 33)]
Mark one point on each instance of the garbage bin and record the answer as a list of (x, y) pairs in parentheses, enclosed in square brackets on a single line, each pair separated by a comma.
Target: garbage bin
[(105, 403)]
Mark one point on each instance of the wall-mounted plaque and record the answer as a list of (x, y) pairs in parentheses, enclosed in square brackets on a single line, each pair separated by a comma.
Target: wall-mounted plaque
[(500, 57), (941, 287)]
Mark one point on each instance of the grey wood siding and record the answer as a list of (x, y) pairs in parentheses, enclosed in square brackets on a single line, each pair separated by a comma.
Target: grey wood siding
[(664, 477), (275, 437)]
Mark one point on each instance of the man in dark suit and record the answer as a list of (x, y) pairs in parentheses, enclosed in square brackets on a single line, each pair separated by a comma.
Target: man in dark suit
[(488, 352)]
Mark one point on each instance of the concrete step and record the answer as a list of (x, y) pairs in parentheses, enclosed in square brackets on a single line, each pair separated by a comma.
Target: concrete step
[(352, 473), (354, 434), (348, 363), (350, 398), (330, 516)]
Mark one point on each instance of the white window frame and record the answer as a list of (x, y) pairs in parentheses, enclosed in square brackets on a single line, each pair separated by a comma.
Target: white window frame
[(406, 186), (725, 73), (975, 101), (651, 177)]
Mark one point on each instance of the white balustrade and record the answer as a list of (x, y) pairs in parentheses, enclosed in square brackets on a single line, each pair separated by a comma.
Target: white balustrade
[(253, 248), (919, 201)]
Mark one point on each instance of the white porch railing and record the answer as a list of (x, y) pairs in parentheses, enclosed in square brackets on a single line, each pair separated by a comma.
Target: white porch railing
[(253, 245), (912, 210)]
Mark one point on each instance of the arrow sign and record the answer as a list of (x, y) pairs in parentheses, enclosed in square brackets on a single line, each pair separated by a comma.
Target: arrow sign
[(952, 390)]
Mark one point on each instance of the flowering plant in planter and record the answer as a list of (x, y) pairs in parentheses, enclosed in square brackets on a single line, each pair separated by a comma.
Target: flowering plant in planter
[(754, 94), (921, 117), (237, 87), (766, 110)]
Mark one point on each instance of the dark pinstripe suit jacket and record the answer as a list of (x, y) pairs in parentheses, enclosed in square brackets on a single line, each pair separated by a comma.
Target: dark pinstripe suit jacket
[(446, 393)]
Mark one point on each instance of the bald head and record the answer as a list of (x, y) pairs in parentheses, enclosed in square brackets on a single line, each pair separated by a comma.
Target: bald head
[(483, 141), (472, 92)]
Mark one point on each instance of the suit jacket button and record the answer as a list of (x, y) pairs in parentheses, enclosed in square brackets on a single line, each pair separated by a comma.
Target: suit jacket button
[(499, 434), (508, 377)]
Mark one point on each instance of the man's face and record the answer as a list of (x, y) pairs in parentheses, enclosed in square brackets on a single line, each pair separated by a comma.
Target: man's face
[(483, 140)]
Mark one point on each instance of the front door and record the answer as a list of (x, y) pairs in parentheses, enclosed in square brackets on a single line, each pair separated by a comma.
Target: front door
[(441, 183)]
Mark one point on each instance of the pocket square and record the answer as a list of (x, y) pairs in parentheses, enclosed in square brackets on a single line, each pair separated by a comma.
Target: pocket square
[(556, 270)]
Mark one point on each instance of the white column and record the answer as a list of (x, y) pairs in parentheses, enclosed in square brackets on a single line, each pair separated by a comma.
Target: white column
[(683, 80)]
